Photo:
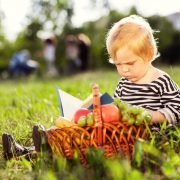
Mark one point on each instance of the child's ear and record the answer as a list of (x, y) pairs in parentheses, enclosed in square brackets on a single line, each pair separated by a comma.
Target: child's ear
[(111, 61)]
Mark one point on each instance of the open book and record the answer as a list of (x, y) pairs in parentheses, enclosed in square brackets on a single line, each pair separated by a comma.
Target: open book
[(69, 104)]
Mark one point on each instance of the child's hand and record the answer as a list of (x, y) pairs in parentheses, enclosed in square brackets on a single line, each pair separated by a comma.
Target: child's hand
[(156, 116)]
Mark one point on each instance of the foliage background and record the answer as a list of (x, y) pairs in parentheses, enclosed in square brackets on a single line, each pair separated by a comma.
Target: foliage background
[(59, 14)]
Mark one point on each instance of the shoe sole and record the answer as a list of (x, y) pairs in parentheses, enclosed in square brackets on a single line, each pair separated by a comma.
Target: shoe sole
[(36, 138), (6, 146), (40, 139)]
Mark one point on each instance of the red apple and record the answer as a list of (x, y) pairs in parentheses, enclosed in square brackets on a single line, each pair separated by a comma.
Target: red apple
[(79, 113), (110, 112)]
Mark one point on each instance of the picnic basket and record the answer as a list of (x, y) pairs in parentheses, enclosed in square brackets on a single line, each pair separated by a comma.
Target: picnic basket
[(113, 138)]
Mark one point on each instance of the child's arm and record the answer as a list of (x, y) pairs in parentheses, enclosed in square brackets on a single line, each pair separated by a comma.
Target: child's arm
[(156, 117), (170, 99)]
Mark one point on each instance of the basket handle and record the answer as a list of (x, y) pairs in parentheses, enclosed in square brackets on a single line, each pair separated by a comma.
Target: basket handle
[(97, 114)]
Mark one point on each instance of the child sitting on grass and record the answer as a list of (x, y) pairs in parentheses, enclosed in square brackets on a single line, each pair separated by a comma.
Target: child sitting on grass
[(132, 48)]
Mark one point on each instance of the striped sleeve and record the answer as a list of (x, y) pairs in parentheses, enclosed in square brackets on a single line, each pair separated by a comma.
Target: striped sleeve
[(170, 98)]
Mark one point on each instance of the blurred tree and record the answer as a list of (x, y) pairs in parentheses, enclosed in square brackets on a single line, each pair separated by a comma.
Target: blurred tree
[(133, 10), (171, 53), (162, 25), (52, 14), (27, 38), (5, 46), (56, 16), (167, 37)]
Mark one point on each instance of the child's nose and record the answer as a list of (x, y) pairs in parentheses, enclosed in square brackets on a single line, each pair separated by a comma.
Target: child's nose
[(125, 69)]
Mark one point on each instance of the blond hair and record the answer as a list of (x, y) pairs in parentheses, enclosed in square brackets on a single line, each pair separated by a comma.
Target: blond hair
[(134, 33)]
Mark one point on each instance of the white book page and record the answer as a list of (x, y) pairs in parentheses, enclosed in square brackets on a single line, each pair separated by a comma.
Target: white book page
[(70, 104)]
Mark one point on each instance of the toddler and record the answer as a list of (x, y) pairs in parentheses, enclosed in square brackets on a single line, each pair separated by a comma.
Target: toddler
[(132, 48)]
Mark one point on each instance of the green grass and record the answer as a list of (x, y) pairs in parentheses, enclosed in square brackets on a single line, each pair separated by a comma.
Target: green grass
[(30, 101)]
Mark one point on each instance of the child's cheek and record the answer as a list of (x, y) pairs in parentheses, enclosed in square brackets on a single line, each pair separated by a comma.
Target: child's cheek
[(119, 70)]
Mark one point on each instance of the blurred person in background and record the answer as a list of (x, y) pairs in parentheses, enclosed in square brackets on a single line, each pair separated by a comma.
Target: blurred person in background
[(84, 51), (72, 54), (49, 56), (21, 64)]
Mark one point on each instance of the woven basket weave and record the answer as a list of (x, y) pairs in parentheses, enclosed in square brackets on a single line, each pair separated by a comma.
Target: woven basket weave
[(114, 138)]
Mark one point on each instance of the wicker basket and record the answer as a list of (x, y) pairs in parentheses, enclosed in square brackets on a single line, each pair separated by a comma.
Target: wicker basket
[(114, 138)]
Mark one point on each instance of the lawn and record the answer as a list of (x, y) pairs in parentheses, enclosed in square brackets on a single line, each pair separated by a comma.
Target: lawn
[(27, 102)]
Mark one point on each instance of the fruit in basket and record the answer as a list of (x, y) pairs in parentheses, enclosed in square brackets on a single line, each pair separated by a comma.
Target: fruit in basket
[(79, 113), (63, 122), (110, 112), (87, 120), (82, 121), (131, 120), (90, 119), (132, 114)]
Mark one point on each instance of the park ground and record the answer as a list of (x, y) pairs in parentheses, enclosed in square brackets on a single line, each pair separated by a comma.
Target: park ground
[(31, 101)]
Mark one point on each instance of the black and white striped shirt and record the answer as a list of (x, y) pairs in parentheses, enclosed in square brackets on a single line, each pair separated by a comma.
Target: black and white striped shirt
[(161, 95)]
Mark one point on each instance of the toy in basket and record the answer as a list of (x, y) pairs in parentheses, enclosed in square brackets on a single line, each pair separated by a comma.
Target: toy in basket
[(114, 128)]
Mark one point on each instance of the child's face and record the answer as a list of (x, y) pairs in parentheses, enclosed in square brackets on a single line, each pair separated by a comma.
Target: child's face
[(131, 66)]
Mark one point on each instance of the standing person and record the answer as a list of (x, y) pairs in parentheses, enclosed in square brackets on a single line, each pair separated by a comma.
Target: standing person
[(132, 48), (84, 51), (72, 54), (49, 56)]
